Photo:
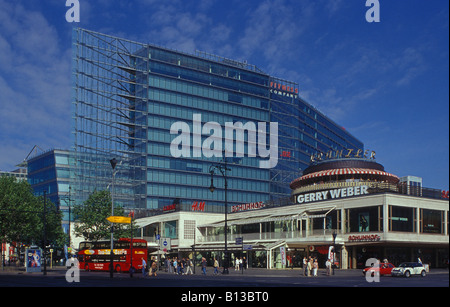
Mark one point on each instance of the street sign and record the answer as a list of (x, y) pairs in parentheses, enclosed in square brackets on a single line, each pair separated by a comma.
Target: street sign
[(247, 247), (239, 240), (165, 244), (119, 219)]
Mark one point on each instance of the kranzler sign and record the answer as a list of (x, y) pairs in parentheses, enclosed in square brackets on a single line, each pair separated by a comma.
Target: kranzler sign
[(332, 194)]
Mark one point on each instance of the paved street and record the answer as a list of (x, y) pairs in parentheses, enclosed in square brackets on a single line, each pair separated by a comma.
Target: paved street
[(255, 286), (252, 278)]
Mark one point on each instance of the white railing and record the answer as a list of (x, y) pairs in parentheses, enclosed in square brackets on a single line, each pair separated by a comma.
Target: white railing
[(322, 233)]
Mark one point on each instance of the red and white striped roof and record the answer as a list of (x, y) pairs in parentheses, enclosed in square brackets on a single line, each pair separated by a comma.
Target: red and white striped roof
[(345, 171)]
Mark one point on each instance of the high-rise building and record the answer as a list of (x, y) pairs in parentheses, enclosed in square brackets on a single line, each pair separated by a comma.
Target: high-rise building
[(49, 172), (167, 116)]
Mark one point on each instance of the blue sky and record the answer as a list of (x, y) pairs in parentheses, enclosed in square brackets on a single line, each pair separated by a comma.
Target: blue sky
[(386, 83)]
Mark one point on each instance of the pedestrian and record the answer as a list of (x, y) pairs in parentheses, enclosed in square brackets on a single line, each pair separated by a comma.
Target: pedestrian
[(216, 267), (236, 264), (166, 264), (175, 265), (170, 265), (153, 268), (144, 267), (309, 268), (203, 266), (328, 266), (305, 266), (315, 267), (183, 266), (188, 267)]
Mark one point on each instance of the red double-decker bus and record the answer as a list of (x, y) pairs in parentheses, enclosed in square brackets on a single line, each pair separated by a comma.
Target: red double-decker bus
[(95, 256)]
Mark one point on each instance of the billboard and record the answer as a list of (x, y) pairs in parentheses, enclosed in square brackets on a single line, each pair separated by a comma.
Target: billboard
[(33, 260)]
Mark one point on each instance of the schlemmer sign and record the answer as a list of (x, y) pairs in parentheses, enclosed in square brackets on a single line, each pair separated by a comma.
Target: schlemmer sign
[(332, 194)]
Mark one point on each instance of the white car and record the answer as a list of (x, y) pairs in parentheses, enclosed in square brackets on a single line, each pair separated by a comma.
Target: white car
[(407, 269)]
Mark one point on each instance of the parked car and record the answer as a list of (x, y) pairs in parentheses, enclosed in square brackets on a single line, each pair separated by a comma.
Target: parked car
[(383, 268), (407, 269)]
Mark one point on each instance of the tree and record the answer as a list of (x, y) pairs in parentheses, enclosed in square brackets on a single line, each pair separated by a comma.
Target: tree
[(91, 218), (54, 232), (22, 215)]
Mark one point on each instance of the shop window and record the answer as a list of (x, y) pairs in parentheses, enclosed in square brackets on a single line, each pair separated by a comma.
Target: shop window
[(431, 221), (401, 219), (170, 229), (364, 219)]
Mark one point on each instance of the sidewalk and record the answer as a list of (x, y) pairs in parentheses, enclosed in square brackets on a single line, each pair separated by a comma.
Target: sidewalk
[(13, 270), (252, 272)]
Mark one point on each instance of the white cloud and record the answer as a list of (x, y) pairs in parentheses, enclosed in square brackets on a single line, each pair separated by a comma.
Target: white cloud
[(34, 84)]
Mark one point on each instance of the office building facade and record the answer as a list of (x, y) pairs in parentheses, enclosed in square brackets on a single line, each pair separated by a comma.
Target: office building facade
[(50, 172), (167, 116)]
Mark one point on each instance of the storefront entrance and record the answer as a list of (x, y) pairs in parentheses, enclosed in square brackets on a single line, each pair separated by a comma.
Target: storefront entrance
[(435, 257)]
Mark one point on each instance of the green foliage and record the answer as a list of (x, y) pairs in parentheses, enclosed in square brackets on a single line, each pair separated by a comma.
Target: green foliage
[(91, 223), (22, 215)]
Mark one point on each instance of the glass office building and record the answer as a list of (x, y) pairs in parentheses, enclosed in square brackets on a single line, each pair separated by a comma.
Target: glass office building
[(164, 115), (50, 171)]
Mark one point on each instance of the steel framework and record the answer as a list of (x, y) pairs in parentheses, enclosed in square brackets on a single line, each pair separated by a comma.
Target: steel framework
[(109, 116)]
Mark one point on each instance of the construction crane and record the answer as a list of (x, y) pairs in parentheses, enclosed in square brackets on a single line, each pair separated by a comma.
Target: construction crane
[(24, 163)]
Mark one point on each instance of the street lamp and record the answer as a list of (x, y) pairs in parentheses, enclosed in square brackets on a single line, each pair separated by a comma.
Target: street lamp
[(223, 170), (111, 263)]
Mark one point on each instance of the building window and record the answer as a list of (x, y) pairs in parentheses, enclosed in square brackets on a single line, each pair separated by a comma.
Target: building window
[(401, 219), (364, 219), (431, 221), (170, 230)]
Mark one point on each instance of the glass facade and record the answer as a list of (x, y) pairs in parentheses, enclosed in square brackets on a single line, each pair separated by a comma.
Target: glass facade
[(51, 172), (152, 89)]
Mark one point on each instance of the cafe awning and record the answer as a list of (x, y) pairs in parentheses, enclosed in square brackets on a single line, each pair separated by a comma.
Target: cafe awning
[(346, 171)]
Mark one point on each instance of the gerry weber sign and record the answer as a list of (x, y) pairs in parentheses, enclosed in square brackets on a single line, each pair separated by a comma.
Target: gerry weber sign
[(331, 194)]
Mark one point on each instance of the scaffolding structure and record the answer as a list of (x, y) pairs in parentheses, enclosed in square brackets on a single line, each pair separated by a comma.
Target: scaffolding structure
[(109, 118)]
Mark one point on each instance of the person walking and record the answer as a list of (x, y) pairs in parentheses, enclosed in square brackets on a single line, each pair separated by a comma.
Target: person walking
[(144, 267), (315, 267), (305, 266), (236, 264), (166, 264), (183, 266), (170, 265), (203, 266), (188, 267), (175, 265), (216, 267), (328, 266), (309, 268)]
